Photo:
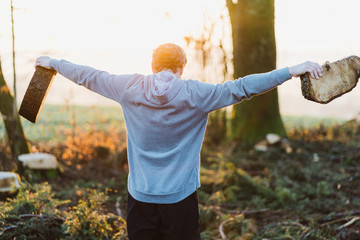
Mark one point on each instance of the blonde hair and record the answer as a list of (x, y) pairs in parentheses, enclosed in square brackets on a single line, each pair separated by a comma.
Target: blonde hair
[(168, 56)]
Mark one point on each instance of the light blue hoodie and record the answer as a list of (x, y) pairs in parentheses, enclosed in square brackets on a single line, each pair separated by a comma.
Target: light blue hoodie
[(166, 119)]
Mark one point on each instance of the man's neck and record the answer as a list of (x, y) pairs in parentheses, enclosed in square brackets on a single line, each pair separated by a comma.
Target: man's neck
[(178, 73)]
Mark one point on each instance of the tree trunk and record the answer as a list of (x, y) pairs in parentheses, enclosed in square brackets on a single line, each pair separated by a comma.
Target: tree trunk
[(254, 51), (14, 130)]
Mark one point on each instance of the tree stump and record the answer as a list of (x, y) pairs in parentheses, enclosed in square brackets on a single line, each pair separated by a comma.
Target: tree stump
[(39, 165), (9, 184), (36, 93)]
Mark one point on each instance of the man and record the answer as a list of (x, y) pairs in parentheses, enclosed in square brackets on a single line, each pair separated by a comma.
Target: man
[(166, 119)]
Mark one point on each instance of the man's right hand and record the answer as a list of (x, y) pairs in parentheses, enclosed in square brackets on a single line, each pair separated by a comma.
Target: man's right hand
[(43, 61)]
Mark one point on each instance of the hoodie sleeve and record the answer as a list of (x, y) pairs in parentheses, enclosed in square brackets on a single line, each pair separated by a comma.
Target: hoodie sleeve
[(212, 97), (106, 84)]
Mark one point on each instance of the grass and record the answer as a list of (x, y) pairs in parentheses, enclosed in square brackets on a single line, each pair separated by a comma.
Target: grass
[(311, 192), (292, 122)]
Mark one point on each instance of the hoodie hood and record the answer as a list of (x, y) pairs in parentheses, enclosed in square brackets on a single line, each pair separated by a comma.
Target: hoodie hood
[(162, 87)]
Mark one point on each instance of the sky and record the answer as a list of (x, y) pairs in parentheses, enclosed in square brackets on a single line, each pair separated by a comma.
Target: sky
[(119, 35)]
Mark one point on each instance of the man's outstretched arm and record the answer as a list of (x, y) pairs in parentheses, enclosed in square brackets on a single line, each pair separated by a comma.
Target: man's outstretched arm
[(211, 97), (106, 84)]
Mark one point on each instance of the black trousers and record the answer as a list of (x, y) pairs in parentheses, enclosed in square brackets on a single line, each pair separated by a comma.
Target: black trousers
[(150, 221)]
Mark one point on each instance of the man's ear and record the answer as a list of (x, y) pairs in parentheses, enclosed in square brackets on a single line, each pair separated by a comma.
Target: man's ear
[(182, 69)]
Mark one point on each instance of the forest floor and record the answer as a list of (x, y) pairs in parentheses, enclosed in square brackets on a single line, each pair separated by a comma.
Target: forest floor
[(306, 188)]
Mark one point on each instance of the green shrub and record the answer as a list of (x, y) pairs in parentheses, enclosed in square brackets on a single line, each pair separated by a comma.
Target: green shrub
[(33, 214), (33, 199), (87, 220)]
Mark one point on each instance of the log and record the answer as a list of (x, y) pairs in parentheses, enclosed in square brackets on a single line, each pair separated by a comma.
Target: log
[(337, 79), (36, 93)]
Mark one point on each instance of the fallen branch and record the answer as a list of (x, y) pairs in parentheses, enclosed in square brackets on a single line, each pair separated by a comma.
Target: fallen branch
[(294, 224), (222, 234), (7, 229), (326, 220), (33, 216), (254, 212), (352, 221), (334, 221), (60, 219), (117, 206), (246, 212)]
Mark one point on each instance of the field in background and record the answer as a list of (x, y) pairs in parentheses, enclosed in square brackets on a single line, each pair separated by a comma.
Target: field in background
[(54, 120)]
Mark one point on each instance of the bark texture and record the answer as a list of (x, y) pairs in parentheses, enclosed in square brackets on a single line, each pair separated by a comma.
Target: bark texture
[(254, 50), (36, 93), (14, 130)]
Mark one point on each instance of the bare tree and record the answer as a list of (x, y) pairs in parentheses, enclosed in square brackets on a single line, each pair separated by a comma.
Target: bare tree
[(213, 61), (8, 107), (14, 130)]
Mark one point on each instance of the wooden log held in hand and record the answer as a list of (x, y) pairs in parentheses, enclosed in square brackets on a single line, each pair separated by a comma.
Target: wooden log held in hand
[(36, 92), (337, 79)]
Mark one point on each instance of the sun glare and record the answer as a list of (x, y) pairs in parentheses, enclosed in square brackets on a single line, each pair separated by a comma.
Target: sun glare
[(119, 36)]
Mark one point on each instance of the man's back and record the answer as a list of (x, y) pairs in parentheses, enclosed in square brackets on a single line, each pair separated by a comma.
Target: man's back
[(165, 134)]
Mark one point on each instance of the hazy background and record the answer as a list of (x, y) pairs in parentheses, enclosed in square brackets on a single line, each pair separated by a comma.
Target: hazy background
[(118, 36)]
